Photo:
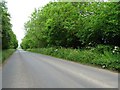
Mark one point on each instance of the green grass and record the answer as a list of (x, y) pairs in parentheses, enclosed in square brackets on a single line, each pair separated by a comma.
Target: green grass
[(6, 54), (99, 56), (0, 56)]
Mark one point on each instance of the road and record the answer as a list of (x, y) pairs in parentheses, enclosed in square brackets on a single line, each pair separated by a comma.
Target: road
[(30, 70)]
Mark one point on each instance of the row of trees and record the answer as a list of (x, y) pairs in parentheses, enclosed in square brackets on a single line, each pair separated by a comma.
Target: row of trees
[(73, 24), (8, 37)]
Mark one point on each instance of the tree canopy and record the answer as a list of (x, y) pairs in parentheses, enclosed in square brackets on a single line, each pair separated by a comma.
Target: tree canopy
[(73, 24), (8, 37)]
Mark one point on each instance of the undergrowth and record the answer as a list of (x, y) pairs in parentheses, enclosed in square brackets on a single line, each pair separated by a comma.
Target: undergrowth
[(101, 56)]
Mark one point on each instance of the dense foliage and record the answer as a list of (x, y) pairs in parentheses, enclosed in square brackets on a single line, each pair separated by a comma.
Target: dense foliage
[(73, 24), (85, 32), (98, 56), (8, 37)]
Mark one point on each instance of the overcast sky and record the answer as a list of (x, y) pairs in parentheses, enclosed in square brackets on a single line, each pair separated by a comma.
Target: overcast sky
[(20, 10)]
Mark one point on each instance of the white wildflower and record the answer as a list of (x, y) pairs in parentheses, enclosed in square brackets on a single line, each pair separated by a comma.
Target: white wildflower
[(103, 66), (116, 47), (113, 51), (56, 50)]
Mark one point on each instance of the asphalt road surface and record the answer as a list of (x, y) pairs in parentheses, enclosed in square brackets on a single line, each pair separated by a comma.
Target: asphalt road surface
[(30, 70)]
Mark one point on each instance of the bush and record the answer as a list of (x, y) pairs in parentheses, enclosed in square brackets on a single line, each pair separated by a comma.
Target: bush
[(103, 48), (101, 56)]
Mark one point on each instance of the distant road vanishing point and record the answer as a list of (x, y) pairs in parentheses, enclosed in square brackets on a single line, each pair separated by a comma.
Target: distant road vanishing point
[(30, 70)]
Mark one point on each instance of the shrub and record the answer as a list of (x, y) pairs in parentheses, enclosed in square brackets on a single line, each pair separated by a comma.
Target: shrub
[(101, 56)]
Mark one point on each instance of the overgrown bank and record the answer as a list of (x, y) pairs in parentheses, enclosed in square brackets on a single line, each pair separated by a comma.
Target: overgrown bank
[(7, 53), (76, 25), (100, 56)]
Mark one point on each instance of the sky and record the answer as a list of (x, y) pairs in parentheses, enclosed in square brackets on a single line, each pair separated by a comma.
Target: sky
[(20, 11)]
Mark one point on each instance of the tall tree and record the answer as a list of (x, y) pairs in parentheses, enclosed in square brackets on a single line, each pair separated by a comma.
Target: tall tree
[(8, 37), (73, 24)]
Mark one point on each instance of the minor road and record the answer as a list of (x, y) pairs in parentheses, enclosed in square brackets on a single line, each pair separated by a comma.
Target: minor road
[(30, 70)]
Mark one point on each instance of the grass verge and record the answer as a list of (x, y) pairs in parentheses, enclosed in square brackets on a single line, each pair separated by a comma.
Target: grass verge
[(0, 56), (99, 56), (6, 54)]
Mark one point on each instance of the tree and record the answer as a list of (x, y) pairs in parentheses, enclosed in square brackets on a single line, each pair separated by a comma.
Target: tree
[(8, 37), (73, 24)]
